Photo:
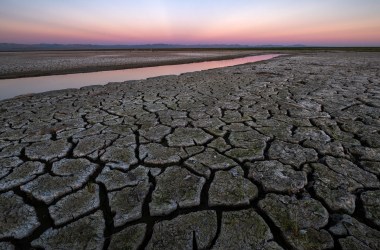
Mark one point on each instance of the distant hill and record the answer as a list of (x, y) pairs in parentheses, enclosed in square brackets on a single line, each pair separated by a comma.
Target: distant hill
[(47, 46), (281, 46)]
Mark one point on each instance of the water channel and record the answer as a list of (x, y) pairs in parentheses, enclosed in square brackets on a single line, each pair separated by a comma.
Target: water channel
[(20, 86)]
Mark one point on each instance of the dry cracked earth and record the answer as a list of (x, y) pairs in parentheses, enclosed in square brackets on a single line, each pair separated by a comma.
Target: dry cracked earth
[(282, 154)]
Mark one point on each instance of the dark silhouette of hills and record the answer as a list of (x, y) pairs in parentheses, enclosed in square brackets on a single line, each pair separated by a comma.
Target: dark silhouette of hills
[(48, 46)]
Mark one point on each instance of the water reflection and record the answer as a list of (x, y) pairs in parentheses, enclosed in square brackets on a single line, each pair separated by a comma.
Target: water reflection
[(13, 87)]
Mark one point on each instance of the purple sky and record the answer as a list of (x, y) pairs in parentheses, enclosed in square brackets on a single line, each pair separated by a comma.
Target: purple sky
[(252, 22)]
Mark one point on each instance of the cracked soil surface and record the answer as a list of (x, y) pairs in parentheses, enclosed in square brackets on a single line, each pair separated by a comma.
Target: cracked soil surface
[(282, 154)]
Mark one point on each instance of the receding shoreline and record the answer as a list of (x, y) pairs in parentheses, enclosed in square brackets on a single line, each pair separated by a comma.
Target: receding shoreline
[(115, 57), (21, 64), (20, 86)]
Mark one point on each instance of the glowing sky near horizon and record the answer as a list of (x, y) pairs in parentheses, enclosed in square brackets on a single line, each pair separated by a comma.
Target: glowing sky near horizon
[(251, 22)]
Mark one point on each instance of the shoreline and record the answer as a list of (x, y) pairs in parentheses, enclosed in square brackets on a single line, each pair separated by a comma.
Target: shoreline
[(33, 85), (128, 65), (67, 69)]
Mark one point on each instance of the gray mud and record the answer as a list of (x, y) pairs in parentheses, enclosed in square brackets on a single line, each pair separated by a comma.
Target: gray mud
[(282, 154)]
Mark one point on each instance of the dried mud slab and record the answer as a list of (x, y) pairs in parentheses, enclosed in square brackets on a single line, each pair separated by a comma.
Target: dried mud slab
[(276, 177), (130, 238), (230, 188), (175, 188), (84, 233), (300, 221), (184, 231), (18, 220), (244, 230)]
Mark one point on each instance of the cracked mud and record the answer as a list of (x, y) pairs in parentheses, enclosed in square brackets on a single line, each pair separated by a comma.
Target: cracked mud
[(282, 154)]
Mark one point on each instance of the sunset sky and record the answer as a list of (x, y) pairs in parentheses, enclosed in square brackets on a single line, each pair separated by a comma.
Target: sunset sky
[(250, 22)]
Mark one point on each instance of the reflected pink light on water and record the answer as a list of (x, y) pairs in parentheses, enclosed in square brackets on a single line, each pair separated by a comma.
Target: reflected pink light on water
[(20, 86)]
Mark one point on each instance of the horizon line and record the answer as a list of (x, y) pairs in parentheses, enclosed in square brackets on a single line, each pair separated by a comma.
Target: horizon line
[(187, 45)]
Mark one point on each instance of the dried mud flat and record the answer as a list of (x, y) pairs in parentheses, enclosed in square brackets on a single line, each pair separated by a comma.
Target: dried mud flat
[(282, 154)]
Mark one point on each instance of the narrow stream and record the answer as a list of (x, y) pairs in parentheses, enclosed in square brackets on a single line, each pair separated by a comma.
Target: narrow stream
[(13, 87)]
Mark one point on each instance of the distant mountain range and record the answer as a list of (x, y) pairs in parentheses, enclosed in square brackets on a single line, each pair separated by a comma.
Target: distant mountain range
[(47, 46)]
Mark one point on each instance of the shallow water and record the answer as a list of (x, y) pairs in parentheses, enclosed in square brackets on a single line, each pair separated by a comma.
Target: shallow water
[(13, 87)]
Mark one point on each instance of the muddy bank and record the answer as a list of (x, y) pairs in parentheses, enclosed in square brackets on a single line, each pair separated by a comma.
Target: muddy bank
[(27, 64)]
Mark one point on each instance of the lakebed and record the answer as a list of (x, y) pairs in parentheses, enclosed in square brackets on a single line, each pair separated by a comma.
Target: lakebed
[(280, 154)]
